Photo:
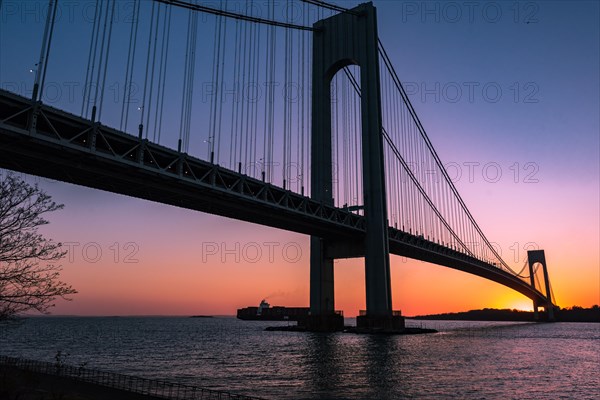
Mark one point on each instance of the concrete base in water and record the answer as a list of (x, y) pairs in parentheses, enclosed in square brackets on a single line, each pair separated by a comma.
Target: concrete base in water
[(378, 324), (322, 323), (353, 329), (365, 324)]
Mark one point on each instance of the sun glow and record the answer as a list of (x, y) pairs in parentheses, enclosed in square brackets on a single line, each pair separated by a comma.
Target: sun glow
[(521, 305)]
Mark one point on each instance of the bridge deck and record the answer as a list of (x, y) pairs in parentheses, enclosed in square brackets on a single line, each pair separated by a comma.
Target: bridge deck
[(41, 140)]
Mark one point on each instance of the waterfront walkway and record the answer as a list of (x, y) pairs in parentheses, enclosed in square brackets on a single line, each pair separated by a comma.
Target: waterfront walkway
[(25, 379)]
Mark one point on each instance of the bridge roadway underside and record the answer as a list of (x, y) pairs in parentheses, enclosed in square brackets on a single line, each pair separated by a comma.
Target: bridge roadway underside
[(40, 140)]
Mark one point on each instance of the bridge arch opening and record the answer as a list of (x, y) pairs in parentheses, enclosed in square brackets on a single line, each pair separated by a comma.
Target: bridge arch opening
[(538, 279), (346, 149), (338, 65)]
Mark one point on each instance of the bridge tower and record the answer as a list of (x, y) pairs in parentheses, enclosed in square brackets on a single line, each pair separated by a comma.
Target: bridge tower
[(538, 256), (350, 38)]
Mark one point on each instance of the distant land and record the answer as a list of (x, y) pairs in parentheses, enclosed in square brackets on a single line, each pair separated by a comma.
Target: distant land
[(571, 314)]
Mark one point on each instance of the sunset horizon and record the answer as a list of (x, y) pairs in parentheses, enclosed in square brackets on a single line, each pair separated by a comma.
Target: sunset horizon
[(504, 137)]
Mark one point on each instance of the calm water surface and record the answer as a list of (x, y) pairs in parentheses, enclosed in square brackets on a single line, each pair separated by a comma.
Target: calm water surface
[(465, 360)]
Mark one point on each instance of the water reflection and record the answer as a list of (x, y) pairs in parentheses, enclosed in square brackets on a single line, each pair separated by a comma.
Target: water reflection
[(326, 358), (383, 365), (354, 366)]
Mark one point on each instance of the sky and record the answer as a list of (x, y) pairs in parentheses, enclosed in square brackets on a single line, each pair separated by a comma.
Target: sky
[(508, 92)]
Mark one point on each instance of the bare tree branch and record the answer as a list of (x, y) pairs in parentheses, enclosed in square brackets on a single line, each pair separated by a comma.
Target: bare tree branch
[(29, 275)]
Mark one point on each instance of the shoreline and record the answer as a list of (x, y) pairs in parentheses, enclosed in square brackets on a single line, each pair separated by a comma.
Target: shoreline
[(29, 385), (38, 380)]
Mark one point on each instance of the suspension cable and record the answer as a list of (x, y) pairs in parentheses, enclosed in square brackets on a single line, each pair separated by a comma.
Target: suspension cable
[(329, 6), (552, 298), (229, 14), (423, 133), (410, 173), (417, 121)]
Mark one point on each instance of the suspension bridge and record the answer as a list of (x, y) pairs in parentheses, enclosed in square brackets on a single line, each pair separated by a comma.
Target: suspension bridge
[(290, 115)]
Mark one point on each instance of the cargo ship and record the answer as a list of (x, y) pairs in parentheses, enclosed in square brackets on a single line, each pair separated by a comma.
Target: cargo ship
[(264, 312)]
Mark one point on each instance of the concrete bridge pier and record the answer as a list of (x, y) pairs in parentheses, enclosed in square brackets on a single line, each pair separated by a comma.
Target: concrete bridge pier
[(323, 317), (539, 256), (351, 39)]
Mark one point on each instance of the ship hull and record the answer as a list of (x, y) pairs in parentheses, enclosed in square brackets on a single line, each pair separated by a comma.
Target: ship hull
[(273, 314)]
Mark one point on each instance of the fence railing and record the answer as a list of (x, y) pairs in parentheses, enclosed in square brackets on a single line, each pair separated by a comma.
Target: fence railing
[(133, 384)]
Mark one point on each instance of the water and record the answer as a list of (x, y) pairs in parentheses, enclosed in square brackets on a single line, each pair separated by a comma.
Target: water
[(465, 360)]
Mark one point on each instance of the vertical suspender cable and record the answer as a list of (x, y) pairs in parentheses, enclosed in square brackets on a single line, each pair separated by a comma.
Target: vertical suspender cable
[(97, 88), (286, 99), (95, 54), (247, 102), (45, 63), (88, 75), (41, 66), (267, 116), (103, 84), (158, 11), (162, 73), (257, 59), (215, 89), (234, 129), (185, 84), (218, 81), (221, 72), (242, 111), (188, 82), (244, 114), (165, 57), (192, 70), (143, 106), (130, 63), (251, 91), (304, 95)]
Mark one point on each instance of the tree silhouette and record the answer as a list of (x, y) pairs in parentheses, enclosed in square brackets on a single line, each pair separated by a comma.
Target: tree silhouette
[(29, 277)]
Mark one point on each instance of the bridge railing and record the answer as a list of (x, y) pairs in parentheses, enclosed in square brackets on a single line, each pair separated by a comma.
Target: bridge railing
[(133, 384)]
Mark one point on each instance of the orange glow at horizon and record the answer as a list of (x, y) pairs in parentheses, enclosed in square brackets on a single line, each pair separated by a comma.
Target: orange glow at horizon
[(175, 281), (175, 275), (521, 306)]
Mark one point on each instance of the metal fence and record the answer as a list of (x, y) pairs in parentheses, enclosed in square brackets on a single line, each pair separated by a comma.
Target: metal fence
[(133, 384)]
